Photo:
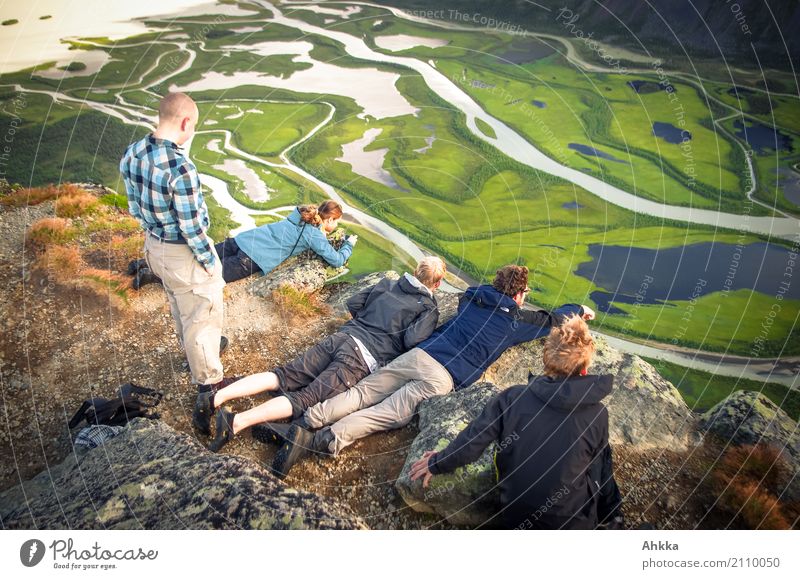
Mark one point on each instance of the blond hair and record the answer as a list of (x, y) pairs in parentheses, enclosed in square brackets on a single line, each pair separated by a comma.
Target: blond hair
[(430, 270), (569, 348)]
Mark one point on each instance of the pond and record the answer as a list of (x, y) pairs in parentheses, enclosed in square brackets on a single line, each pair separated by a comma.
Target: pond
[(593, 152), (539, 104), (763, 138), (648, 86), (524, 51), (670, 133), (368, 164), (397, 42), (653, 276), (571, 205)]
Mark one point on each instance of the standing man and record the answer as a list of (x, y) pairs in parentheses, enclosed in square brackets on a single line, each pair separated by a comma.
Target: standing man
[(164, 194)]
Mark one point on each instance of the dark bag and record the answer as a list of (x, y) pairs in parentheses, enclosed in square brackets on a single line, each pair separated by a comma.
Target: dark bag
[(133, 401)]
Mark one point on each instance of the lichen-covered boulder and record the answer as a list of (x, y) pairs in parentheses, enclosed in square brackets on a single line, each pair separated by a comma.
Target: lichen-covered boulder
[(644, 409), (306, 272), (153, 477), (747, 417), (337, 300), (469, 496)]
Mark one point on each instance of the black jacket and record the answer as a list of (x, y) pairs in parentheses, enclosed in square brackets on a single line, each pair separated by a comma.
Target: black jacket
[(553, 460), (392, 316)]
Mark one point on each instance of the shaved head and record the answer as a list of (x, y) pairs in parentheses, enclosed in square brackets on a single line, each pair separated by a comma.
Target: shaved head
[(176, 106), (177, 117)]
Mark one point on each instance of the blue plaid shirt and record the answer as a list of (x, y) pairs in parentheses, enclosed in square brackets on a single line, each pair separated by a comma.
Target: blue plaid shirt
[(164, 194)]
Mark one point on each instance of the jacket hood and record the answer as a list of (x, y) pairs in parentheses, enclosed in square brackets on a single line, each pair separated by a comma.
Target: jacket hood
[(294, 217), (411, 285), (570, 393), (489, 297)]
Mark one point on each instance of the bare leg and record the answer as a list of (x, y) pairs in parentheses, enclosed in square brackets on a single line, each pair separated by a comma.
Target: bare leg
[(271, 410), (253, 384)]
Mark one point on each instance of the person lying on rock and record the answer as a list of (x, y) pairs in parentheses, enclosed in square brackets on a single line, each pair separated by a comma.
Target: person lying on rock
[(489, 320), (389, 318), (552, 458), (264, 248)]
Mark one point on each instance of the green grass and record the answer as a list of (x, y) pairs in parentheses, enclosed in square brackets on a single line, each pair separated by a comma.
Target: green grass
[(267, 132), (485, 128), (600, 110), (702, 390), (373, 253)]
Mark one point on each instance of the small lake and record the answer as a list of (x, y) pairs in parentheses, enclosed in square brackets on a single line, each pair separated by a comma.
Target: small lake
[(526, 50), (539, 104), (571, 205), (368, 164), (397, 42), (762, 137), (670, 133), (647, 86), (683, 273), (789, 182), (593, 152)]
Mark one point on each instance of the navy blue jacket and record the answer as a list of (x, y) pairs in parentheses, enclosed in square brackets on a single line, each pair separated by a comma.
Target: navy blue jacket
[(488, 322)]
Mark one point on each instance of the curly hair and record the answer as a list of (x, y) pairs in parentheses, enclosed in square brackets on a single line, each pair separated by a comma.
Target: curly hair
[(511, 279), (569, 348)]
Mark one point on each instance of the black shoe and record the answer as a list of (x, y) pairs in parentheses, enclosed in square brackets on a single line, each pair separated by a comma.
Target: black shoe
[(135, 265), (298, 444), (144, 277), (224, 432), (203, 411), (271, 432), (223, 345)]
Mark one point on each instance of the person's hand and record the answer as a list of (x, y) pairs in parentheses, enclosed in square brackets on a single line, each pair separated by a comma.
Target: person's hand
[(352, 239), (588, 313), (420, 469)]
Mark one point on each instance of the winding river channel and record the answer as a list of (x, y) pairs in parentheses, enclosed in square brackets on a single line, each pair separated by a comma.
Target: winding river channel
[(511, 144)]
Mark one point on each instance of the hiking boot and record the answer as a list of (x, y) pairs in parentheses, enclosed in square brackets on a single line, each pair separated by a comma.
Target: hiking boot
[(223, 345), (203, 411), (299, 443), (144, 277), (271, 432), (296, 447), (224, 432), (135, 265)]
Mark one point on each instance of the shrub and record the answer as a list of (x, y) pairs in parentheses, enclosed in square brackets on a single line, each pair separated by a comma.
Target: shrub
[(50, 230), (103, 281), (747, 481), (295, 305), (75, 204), (61, 263)]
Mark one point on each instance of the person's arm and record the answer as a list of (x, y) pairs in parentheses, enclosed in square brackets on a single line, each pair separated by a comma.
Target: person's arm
[(131, 192), (466, 447), (320, 245), (532, 322), (609, 502), (421, 328), (186, 188), (356, 303)]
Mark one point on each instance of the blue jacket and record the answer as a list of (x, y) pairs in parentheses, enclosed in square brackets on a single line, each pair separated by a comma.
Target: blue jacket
[(488, 322), (271, 244)]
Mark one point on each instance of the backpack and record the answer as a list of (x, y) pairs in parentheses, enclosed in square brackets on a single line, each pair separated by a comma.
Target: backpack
[(133, 401)]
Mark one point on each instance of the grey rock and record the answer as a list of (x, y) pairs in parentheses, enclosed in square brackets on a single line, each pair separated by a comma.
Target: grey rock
[(469, 496), (305, 272), (644, 409), (747, 417), (152, 477)]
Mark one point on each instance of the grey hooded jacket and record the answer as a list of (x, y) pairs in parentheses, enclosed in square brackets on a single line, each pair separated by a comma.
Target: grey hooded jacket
[(392, 316)]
